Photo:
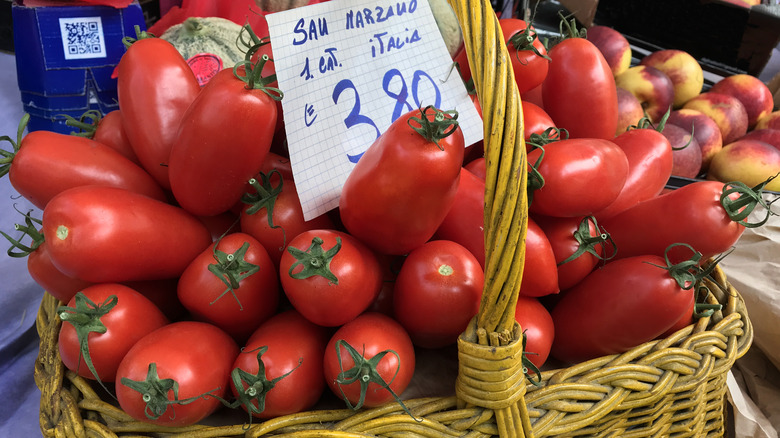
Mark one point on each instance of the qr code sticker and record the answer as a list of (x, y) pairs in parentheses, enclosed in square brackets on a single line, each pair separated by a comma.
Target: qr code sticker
[(82, 37)]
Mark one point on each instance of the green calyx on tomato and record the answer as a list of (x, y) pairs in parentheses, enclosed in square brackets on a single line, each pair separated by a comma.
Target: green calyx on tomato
[(687, 273), (315, 260), (264, 197), (139, 35), (154, 392), (85, 318), (364, 372), (739, 208), (567, 28), (28, 229), (254, 387), (8, 156), (646, 123), (528, 365), (253, 71), (588, 243), (550, 135), (524, 40), (440, 127), (87, 123), (231, 269)]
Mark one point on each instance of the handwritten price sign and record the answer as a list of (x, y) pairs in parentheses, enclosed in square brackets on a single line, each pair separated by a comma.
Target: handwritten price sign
[(348, 69)]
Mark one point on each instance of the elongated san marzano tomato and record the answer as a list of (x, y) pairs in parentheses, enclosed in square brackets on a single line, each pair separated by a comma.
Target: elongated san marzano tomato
[(106, 234), (579, 90), (222, 142), (649, 168), (703, 214), (155, 86), (44, 163), (399, 192), (620, 306), (581, 176)]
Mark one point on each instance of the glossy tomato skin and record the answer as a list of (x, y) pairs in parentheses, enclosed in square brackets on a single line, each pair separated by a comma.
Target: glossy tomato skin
[(560, 232), (537, 324), (295, 346), (355, 268), (692, 214), (286, 222), (529, 68), (465, 222), (51, 279), (649, 168), (49, 162), (437, 293), (402, 187), (209, 164), (536, 121), (540, 274), (111, 132), (133, 317), (370, 334), (91, 235), (155, 86), (240, 311), (617, 307), (197, 355), (579, 90), (581, 176)]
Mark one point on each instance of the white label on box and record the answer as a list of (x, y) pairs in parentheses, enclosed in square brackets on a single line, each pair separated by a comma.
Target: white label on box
[(348, 69), (82, 37)]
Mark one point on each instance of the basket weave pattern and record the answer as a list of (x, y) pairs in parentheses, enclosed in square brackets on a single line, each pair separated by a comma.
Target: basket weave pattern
[(670, 387)]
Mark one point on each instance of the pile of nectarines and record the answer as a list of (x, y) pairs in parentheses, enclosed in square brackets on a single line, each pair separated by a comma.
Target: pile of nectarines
[(731, 128)]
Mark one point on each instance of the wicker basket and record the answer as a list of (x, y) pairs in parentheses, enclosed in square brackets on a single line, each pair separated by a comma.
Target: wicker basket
[(670, 387)]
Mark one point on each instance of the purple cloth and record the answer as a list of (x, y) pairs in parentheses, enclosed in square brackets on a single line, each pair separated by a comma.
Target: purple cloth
[(20, 296)]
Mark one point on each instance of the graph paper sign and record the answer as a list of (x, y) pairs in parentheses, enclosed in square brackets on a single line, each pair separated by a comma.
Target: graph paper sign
[(348, 69)]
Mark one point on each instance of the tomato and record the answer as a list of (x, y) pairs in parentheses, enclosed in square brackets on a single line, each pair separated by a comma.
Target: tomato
[(620, 306), (107, 234), (155, 86), (111, 132), (581, 176), (465, 220), (105, 129), (232, 284), (404, 185), (529, 56), (39, 264), (578, 244), (329, 276), (369, 361), (437, 293), (391, 266), (44, 163), (282, 361), (180, 369), (478, 167), (538, 327), (537, 121), (207, 177), (540, 274), (704, 214), (100, 325), (272, 214), (649, 156), (579, 91)]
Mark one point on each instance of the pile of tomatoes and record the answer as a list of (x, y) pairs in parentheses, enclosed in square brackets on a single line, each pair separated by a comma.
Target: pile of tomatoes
[(190, 280)]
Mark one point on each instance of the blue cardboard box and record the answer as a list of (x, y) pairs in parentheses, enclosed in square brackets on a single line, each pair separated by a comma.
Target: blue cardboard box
[(66, 52)]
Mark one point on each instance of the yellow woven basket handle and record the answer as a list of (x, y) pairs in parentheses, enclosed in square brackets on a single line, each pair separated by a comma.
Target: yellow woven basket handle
[(490, 350)]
